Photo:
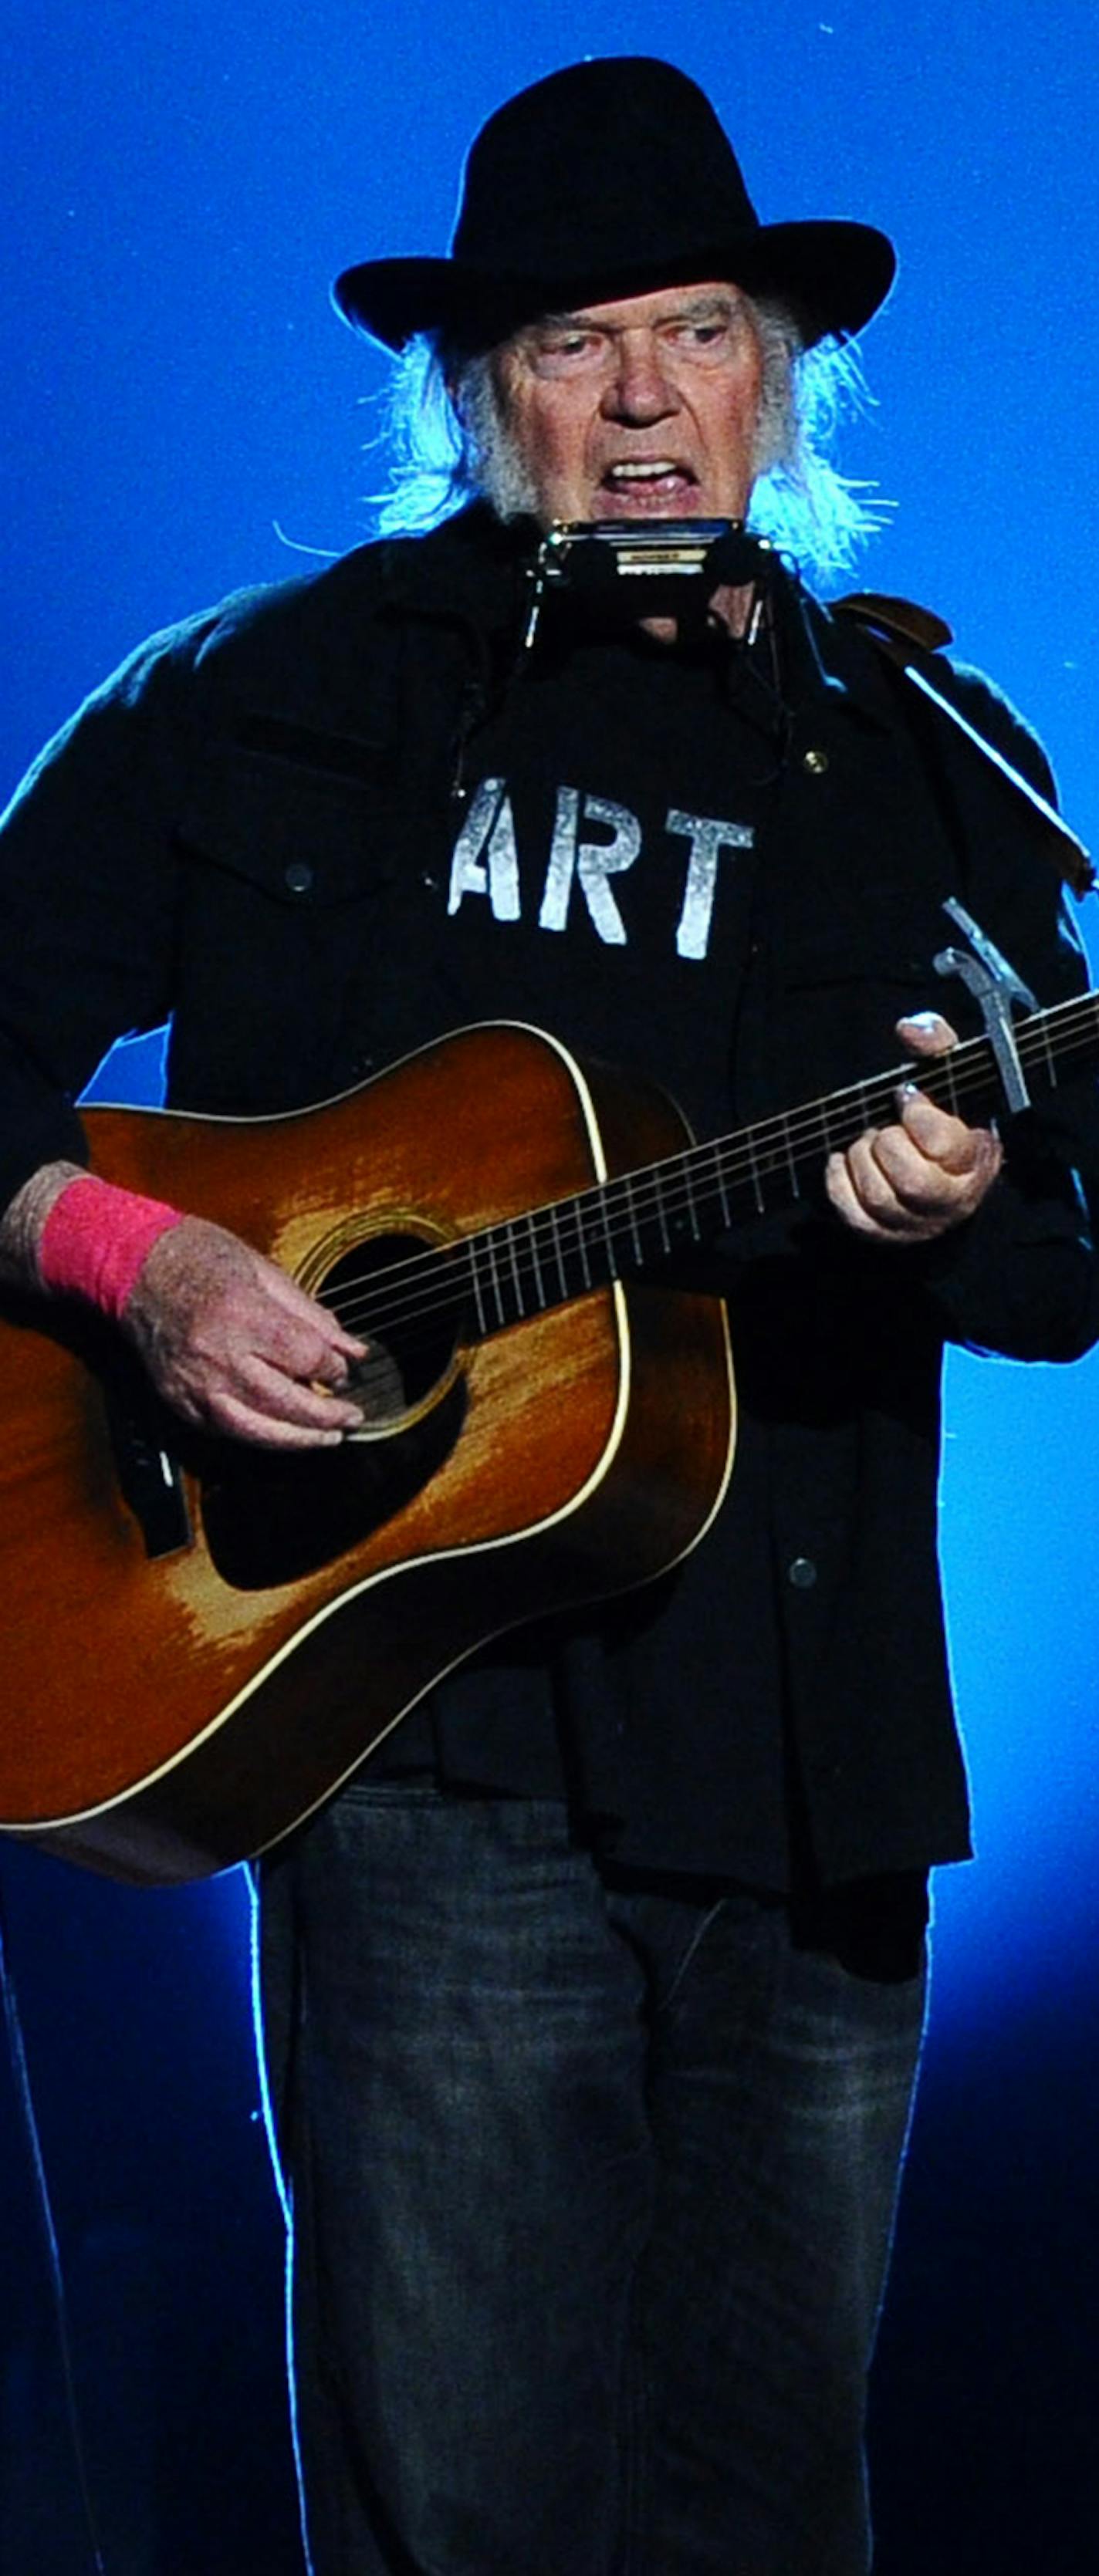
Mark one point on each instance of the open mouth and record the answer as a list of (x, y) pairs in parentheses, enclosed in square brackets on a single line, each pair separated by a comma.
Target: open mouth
[(659, 484)]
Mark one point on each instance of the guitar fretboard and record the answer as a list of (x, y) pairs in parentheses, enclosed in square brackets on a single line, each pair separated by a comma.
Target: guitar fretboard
[(637, 1223)]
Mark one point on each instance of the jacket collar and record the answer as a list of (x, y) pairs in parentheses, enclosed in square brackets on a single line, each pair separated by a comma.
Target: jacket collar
[(853, 671), (473, 572)]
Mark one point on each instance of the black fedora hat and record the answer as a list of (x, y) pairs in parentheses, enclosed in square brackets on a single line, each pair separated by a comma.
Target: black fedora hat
[(604, 180)]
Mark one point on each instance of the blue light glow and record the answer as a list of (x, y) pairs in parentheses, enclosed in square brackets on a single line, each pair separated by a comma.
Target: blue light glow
[(181, 184)]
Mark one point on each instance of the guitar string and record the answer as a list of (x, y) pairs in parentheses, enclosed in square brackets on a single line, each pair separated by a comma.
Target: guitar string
[(555, 1235), (557, 1232)]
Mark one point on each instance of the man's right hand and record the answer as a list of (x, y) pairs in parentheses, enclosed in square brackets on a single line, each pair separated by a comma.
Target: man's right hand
[(236, 1346)]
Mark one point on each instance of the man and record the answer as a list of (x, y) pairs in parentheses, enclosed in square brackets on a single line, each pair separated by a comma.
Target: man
[(593, 2004)]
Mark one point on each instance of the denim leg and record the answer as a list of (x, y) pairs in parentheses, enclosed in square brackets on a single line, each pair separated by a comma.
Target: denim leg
[(593, 2193), (470, 2171), (779, 2097)]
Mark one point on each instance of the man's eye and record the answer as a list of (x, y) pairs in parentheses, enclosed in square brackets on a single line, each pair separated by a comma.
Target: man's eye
[(566, 351), (705, 335)]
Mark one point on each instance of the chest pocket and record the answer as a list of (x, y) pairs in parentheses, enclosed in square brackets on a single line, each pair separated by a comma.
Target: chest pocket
[(851, 919), (891, 939), (285, 871), (299, 834)]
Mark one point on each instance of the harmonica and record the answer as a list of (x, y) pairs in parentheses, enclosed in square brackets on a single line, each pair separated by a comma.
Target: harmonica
[(684, 560)]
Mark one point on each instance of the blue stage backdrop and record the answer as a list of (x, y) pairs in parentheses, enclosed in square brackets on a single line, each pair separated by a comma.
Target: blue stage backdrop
[(185, 414)]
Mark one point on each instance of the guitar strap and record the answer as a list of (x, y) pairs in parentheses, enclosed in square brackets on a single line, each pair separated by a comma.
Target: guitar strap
[(908, 636)]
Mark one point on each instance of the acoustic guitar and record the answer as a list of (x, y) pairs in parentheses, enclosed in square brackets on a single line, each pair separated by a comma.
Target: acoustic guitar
[(202, 1639)]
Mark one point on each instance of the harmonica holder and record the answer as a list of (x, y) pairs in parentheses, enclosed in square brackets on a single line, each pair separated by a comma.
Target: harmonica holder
[(654, 568)]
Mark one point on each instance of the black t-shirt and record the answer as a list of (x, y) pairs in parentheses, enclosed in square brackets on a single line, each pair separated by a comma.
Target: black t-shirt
[(604, 870), (601, 884)]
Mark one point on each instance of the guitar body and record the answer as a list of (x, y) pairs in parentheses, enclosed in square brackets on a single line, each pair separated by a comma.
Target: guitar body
[(202, 1639)]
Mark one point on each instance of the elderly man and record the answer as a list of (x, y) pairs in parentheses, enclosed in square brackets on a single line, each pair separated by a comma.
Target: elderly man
[(592, 2003)]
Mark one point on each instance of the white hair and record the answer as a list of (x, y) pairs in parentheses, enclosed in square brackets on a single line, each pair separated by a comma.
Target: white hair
[(450, 442)]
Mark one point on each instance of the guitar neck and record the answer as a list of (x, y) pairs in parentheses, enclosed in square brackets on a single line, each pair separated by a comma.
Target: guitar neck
[(638, 1222)]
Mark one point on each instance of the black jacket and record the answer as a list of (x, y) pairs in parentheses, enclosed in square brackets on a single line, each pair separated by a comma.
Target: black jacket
[(246, 831)]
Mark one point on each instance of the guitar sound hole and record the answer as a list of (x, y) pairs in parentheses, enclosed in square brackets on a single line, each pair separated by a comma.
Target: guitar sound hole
[(404, 1298), (270, 1519)]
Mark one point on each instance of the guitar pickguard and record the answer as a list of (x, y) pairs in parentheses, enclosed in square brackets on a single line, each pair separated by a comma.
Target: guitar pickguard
[(270, 1517)]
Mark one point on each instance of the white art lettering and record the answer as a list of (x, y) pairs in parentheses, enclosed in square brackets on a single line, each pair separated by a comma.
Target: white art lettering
[(486, 862), (592, 862), (707, 838), (489, 828)]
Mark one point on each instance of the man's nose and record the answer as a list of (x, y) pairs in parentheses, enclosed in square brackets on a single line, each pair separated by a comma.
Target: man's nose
[(638, 388)]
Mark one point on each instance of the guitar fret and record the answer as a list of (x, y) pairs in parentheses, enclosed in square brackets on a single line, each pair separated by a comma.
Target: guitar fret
[(791, 1164), (873, 1108), (661, 1218), (554, 1216), (722, 1192), (513, 1256), (631, 1219), (608, 1234), (692, 1210), (1047, 1050), (475, 1276), (491, 1284), (533, 1234), (582, 1244), (497, 1291), (757, 1187)]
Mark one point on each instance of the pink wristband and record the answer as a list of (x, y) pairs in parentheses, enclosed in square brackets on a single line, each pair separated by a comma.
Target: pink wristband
[(95, 1240)]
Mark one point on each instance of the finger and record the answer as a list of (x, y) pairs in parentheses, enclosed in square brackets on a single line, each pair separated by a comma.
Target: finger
[(231, 1418), (844, 1196), (892, 1185), (968, 1155), (885, 1188), (294, 1351), (934, 1186), (333, 1370), (215, 1391), (323, 1319), (931, 1136), (230, 1410), (877, 1176), (837, 1182), (927, 1033), (279, 1397), (290, 1334)]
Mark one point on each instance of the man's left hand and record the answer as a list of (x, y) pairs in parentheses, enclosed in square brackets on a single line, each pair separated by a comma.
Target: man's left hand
[(909, 1182)]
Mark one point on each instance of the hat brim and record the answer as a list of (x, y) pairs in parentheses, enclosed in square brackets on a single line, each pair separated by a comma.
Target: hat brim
[(833, 275)]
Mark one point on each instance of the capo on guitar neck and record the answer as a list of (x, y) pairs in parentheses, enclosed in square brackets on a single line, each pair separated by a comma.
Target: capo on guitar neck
[(994, 986)]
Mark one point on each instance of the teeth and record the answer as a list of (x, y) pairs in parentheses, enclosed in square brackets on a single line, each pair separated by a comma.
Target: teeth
[(642, 472)]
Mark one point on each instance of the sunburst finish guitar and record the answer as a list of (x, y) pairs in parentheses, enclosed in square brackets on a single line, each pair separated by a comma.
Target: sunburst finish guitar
[(202, 1639)]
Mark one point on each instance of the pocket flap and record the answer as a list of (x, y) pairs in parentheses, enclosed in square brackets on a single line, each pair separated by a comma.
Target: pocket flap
[(302, 834)]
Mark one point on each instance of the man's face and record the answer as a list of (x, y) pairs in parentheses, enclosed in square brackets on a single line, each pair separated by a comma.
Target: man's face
[(644, 409)]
